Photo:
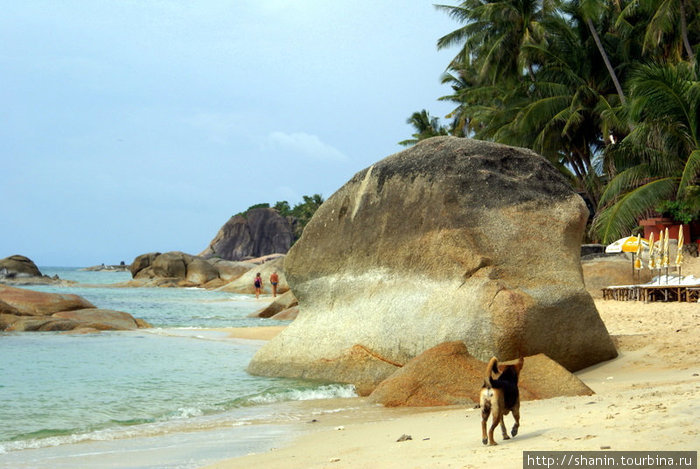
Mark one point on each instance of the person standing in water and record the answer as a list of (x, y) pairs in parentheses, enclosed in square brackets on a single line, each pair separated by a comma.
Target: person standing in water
[(258, 285), (274, 280)]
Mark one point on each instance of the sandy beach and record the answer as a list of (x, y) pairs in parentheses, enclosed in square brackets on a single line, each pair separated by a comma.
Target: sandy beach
[(646, 399)]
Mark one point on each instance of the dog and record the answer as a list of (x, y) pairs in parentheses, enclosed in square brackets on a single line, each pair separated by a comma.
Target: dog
[(500, 396)]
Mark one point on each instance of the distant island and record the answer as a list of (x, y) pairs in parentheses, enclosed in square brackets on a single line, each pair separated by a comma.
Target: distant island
[(122, 267)]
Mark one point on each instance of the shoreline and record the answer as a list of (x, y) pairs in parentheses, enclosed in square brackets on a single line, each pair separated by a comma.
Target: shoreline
[(645, 399)]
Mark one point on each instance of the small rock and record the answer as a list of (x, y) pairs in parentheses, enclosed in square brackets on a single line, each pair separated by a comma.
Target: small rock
[(340, 428), (404, 437), (334, 460), (605, 447)]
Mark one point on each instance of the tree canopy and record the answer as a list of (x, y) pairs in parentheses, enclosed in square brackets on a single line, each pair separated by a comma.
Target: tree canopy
[(607, 90)]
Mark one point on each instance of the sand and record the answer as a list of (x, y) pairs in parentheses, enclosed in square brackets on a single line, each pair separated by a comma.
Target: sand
[(648, 398), (252, 333)]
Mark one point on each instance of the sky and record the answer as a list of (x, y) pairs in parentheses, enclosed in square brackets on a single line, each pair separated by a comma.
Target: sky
[(135, 126)]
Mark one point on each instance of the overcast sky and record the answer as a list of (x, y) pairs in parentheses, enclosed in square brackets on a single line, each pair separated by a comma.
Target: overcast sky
[(133, 126)]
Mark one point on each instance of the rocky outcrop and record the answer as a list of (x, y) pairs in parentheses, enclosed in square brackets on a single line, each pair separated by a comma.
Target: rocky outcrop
[(244, 284), (282, 303), (107, 268), (607, 270), (450, 240), (443, 375), (230, 270), (34, 303), (173, 269), (20, 270), (448, 375), (289, 314), (255, 233), (18, 266), (28, 310)]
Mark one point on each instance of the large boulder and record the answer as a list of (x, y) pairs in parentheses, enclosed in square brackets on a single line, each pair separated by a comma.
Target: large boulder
[(34, 303), (450, 240), (281, 303), (18, 266), (231, 270), (255, 233), (141, 263), (447, 375), (171, 265), (199, 271), (28, 310), (101, 319), (7, 309)]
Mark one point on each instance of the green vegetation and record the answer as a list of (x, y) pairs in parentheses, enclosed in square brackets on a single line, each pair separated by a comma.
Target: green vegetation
[(607, 90)]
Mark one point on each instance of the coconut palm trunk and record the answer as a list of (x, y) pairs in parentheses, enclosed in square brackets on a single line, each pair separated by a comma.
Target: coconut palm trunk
[(608, 65), (684, 32)]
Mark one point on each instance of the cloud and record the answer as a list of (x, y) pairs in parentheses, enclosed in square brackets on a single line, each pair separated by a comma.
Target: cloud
[(306, 145)]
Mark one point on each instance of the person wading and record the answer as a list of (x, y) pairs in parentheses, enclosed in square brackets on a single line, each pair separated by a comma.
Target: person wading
[(274, 280), (258, 285)]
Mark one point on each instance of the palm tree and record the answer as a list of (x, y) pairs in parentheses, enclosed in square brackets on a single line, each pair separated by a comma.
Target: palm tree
[(562, 115), (666, 34), (426, 127), (593, 9), (495, 34), (660, 158)]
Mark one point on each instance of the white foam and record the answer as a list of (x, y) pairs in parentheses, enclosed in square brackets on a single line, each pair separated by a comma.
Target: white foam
[(330, 391)]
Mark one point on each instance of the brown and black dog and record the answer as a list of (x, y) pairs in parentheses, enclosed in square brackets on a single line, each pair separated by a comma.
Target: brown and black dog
[(499, 396)]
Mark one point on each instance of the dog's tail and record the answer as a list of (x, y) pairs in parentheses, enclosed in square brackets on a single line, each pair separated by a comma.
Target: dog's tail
[(491, 368)]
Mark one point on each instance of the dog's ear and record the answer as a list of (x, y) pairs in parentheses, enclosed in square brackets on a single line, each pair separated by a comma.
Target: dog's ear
[(519, 365)]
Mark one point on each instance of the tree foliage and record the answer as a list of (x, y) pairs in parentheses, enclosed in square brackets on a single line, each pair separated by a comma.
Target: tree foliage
[(607, 90)]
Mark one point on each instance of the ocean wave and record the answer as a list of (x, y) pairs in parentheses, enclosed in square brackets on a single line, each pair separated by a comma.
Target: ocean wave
[(330, 391)]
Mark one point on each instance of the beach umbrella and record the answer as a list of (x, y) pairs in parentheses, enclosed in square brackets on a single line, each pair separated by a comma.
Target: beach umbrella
[(652, 261), (631, 244), (626, 244), (664, 257), (679, 252), (638, 254)]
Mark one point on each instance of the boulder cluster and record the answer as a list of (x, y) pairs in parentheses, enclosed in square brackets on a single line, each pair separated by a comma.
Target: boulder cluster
[(177, 269), (27, 310)]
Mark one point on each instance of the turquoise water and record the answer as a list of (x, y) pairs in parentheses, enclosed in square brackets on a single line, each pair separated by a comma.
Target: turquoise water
[(59, 391)]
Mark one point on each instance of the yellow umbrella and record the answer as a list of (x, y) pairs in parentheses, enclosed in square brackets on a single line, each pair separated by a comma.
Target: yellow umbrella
[(679, 251), (664, 259), (638, 254), (626, 244), (652, 261)]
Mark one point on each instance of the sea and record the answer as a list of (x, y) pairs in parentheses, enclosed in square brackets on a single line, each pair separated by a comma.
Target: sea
[(175, 396)]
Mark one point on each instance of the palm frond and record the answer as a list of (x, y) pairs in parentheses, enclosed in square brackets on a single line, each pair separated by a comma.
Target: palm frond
[(619, 219)]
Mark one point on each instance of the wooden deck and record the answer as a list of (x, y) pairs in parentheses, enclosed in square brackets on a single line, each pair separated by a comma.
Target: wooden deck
[(648, 293)]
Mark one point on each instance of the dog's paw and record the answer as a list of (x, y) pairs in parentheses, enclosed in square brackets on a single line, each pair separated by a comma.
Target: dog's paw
[(514, 431), (485, 440), (493, 443), (506, 437)]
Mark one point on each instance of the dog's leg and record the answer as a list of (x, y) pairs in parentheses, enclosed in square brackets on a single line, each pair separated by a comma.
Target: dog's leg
[(503, 427), (485, 412), (497, 417), (516, 416)]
